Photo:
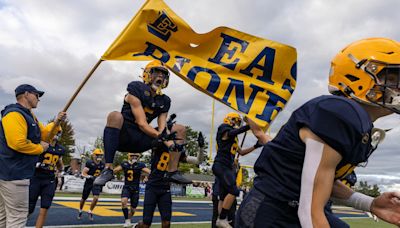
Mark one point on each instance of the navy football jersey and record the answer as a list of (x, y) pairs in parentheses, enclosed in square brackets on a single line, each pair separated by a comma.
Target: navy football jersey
[(159, 165), (48, 161), (132, 172), (226, 149), (152, 106), (350, 180), (94, 169), (340, 122)]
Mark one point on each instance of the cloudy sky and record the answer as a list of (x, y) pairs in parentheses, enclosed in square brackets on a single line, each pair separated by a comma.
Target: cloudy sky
[(52, 44)]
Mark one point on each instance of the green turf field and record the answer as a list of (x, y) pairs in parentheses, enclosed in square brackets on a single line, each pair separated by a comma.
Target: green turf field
[(367, 223), (354, 223)]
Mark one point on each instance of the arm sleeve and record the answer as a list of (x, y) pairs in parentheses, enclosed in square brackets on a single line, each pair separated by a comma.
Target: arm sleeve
[(235, 132), (16, 132)]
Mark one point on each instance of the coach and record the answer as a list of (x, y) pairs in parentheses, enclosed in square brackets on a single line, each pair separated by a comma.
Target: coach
[(21, 141)]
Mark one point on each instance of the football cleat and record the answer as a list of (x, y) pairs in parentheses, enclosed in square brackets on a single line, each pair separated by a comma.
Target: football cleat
[(79, 215), (127, 223), (177, 178), (223, 223), (90, 214)]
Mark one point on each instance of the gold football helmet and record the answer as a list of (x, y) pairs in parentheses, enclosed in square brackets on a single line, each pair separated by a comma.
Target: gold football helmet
[(233, 119), (152, 72), (368, 71)]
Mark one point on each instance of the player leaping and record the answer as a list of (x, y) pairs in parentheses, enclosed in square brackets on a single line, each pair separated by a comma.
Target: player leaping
[(130, 131)]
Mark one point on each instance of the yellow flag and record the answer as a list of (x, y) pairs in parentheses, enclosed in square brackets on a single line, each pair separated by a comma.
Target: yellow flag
[(252, 75), (239, 177)]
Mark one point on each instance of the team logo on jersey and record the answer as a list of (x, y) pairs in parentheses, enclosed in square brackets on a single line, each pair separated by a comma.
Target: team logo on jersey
[(365, 138), (162, 26), (147, 93)]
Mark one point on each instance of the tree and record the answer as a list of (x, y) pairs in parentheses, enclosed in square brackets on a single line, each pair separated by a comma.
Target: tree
[(367, 189), (192, 149), (67, 140)]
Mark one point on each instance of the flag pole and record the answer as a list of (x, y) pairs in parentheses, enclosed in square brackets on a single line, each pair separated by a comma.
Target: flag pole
[(56, 122), (212, 131), (81, 85), (241, 145)]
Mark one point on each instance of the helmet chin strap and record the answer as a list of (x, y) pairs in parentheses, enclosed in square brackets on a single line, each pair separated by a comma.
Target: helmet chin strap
[(156, 88), (394, 98)]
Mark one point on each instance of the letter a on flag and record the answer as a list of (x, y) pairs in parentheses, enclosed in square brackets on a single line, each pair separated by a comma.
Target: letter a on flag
[(252, 75)]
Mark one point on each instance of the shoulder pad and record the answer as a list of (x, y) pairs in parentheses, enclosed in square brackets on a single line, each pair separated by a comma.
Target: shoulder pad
[(339, 122)]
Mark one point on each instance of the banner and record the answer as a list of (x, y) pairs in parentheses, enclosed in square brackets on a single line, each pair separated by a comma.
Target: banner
[(75, 184), (253, 75), (194, 191), (113, 187)]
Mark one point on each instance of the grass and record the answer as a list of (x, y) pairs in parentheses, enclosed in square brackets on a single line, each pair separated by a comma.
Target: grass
[(367, 223), (354, 223)]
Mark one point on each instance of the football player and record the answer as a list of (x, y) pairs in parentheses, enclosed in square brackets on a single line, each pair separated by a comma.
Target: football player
[(132, 172), (92, 170), (223, 167), (43, 182), (130, 131), (324, 140), (158, 187)]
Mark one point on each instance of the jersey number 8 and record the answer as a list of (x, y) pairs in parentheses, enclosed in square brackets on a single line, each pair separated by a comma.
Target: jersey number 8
[(163, 162)]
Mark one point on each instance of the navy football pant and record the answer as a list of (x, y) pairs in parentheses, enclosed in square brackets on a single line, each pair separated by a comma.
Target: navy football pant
[(89, 187), (157, 197), (259, 211), (227, 180), (132, 139), (43, 187), (334, 221), (131, 193)]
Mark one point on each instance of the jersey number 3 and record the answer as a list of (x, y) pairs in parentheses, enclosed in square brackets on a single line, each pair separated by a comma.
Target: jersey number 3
[(130, 175)]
